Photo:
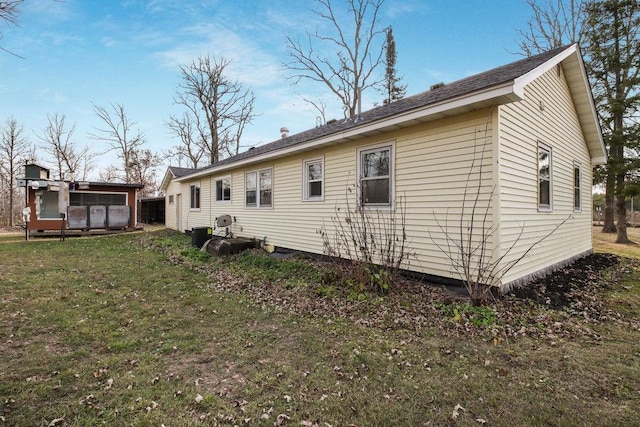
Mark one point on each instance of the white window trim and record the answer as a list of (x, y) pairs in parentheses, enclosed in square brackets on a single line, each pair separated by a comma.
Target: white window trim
[(392, 182), (191, 197), (544, 208), (257, 173), (305, 180), (215, 190), (577, 165), (171, 199)]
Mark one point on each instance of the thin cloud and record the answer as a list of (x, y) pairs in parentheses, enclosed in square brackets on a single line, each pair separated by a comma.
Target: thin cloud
[(250, 64), (399, 8), (52, 10), (51, 96)]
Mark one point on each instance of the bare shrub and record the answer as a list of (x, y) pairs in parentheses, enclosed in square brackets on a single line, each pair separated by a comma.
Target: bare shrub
[(469, 243), (375, 241)]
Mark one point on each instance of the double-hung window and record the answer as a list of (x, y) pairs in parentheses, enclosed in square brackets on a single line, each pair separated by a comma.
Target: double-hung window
[(223, 189), (577, 188), (375, 170), (195, 196), (313, 179), (545, 176), (259, 188)]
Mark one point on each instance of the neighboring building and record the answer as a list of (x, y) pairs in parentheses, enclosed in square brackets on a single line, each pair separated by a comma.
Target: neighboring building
[(57, 206), (527, 133), (151, 210)]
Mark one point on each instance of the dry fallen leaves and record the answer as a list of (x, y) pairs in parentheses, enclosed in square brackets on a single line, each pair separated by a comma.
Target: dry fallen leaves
[(456, 411)]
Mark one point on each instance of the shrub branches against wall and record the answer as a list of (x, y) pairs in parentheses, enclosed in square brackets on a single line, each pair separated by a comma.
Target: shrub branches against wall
[(372, 239), (469, 239)]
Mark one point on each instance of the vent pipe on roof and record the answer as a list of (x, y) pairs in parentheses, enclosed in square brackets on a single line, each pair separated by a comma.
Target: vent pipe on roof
[(436, 86), (284, 132)]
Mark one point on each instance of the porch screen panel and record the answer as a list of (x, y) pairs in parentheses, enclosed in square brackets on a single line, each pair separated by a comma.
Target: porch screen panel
[(102, 199)]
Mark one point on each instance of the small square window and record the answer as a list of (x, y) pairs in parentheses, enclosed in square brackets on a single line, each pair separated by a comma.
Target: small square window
[(171, 199), (195, 196), (375, 176), (223, 189), (313, 181)]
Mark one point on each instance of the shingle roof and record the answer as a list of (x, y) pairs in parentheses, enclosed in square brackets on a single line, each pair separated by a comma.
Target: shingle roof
[(180, 172), (479, 82)]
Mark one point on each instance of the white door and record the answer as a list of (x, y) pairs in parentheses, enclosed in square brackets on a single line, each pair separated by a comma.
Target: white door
[(179, 212)]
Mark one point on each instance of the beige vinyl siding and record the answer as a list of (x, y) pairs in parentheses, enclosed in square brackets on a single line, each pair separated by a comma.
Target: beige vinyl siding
[(173, 189), (190, 217), (546, 116), (432, 163)]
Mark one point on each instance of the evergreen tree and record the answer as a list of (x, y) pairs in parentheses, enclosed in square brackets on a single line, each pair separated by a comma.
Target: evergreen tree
[(393, 91), (612, 46)]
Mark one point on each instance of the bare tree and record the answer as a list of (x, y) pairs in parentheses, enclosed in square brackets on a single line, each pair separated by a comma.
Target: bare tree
[(109, 174), (349, 70), (320, 107), (13, 147), (9, 10), (217, 108), (192, 145), (143, 169), (554, 23), (119, 135), (71, 162)]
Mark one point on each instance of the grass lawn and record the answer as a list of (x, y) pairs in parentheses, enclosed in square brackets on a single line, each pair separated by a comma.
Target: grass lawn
[(139, 329), (606, 242)]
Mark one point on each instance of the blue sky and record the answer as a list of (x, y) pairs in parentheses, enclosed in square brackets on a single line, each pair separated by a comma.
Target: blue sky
[(83, 52)]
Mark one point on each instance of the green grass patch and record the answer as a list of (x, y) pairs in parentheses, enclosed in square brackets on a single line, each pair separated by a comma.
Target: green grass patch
[(131, 330), (291, 272)]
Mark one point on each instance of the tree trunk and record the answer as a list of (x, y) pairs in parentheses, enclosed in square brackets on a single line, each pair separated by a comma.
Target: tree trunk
[(609, 203), (12, 220), (621, 214)]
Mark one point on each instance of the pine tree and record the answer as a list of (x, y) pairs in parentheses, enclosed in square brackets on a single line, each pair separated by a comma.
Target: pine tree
[(612, 46), (393, 91)]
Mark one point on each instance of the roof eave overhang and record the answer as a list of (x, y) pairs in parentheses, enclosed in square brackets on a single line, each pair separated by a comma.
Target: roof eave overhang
[(571, 62), (496, 95), (166, 180)]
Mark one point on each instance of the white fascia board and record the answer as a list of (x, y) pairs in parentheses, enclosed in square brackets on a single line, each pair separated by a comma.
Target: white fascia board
[(592, 113), (504, 93), (525, 79), (588, 114), (168, 175)]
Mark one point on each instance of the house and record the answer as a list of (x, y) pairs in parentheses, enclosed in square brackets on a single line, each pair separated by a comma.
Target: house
[(57, 206), (523, 138)]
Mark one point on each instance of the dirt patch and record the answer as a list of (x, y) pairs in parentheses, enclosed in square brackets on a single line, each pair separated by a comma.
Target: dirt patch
[(209, 374), (569, 286)]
